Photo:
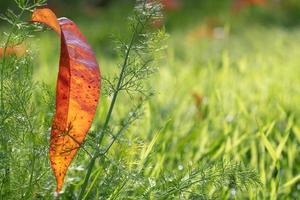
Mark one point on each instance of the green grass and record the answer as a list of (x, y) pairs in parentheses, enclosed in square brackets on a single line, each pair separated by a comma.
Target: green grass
[(249, 85)]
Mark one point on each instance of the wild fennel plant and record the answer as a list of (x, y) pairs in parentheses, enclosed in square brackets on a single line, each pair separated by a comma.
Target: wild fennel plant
[(138, 58), (22, 140), (205, 181), (112, 173)]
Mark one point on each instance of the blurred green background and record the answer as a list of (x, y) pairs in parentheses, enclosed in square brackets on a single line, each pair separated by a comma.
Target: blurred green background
[(229, 82)]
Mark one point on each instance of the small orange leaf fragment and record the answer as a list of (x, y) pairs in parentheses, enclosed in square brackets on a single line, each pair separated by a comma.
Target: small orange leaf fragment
[(239, 5), (171, 5), (77, 93), (18, 50), (46, 16)]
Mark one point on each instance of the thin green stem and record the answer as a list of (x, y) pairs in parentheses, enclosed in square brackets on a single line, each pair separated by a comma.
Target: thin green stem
[(117, 90), (108, 116), (88, 175), (137, 29)]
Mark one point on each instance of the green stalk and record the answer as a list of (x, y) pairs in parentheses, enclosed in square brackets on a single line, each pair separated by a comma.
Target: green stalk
[(138, 28), (108, 117)]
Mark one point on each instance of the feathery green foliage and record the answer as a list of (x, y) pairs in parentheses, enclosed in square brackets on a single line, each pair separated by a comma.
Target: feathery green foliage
[(137, 151), (23, 135)]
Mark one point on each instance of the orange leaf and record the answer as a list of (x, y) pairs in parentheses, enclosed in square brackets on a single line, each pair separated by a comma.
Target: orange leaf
[(18, 50), (77, 92), (171, 5), (46, 16)]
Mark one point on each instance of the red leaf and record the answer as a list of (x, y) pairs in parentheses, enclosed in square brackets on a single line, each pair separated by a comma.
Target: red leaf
[(77, 92), (239, 5), (171, 5)]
